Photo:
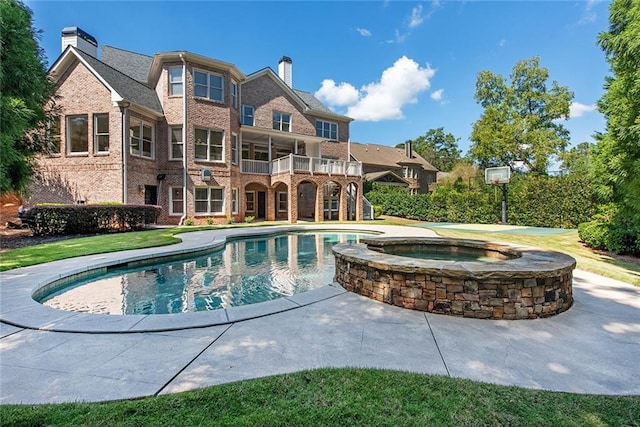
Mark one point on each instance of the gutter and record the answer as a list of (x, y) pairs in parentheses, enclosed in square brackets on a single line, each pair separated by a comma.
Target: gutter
[(184, 139)]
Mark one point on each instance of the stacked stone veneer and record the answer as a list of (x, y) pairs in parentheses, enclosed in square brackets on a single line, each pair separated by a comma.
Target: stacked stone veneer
[(524, 283)]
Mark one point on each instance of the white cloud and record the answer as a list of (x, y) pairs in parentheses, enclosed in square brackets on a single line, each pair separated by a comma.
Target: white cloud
[(399, 84), (577, 109), (364, 32), (502, 43), (436, 95), (337, 95), (399, 38), (416, 17)]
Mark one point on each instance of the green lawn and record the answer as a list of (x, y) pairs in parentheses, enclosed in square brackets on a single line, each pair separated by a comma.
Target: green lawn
[(343, 397)]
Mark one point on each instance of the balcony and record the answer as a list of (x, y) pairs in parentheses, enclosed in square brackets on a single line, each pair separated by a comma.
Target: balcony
[(293, 163)]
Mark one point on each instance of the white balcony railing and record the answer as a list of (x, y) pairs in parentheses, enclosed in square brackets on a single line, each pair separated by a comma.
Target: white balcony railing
[(256, 167), (292, 163)]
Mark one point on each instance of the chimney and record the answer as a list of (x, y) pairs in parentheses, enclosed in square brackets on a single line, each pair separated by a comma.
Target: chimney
[(408, 149), (285, 70), (77, 38)]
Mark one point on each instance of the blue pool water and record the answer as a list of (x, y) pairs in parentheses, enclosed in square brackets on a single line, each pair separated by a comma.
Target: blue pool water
[(246, 271)]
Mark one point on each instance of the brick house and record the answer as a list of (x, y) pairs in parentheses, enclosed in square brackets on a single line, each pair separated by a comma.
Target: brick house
[(194, 135), (395, 166)]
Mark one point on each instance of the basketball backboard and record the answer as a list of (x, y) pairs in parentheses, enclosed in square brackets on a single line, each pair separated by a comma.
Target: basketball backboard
[(498, 175)]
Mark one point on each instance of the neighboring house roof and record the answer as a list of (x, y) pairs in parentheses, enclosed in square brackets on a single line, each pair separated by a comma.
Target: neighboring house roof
[(122, 87), (383, 155), (304, 99), (387, 177), (134, 65)]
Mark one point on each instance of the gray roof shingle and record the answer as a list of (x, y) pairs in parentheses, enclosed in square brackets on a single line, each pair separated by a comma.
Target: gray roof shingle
[(128, 88), (383, 155), (134, 65)]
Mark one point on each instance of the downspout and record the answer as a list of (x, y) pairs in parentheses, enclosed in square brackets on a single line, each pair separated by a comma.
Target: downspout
[(123, 115), (184, 139)]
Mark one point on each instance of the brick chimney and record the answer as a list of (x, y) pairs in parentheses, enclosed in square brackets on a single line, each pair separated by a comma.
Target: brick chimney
[(77, 38), (408, 149), (285, 70)]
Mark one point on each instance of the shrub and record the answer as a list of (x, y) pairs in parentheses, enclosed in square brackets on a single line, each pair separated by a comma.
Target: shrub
[(88, 219), (249, 219), (230, 220), (188, 222), (377, 211), (593, 234), (210, 221)]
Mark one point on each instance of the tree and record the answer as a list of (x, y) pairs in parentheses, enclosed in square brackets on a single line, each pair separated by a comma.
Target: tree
[(25, 93), (520, 122), (577, 160), (438, 148), (617, 154)]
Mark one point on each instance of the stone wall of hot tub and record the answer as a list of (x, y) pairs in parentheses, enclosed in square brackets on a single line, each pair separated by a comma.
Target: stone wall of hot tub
[(536, 284)]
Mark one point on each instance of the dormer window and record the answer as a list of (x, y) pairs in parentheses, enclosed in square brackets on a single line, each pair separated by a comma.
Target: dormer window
[(208, 85), (282, 121)]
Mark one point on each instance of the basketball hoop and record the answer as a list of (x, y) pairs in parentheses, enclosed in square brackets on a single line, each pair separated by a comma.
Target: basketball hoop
[(495, 181)]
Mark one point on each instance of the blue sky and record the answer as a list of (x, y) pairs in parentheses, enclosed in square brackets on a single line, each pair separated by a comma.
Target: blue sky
[(399, 68)]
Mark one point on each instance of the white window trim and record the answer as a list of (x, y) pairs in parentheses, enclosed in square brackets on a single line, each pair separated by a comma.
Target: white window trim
[(208, 159), (254, 201), (281, 121), (243, 115), (234, 200), (153, 139), (171, 83), (209, 212), (67, 129), (234, 94), (330, 123), (171, 211), (281, 193), (235, 145), (171, 127), (96, 134), (209, 74)]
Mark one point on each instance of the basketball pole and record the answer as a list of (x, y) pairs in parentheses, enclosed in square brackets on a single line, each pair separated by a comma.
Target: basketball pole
[(504, 203)]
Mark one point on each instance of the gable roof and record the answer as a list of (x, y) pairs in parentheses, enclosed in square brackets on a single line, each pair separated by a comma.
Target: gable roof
[(306, 100), (134, 65), (391, 177), (122, 87), (383, 155)]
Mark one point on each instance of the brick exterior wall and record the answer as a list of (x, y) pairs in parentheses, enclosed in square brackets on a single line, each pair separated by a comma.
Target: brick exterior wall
[(93, 177)]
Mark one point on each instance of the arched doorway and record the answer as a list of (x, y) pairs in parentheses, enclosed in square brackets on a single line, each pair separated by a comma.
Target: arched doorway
[(307, 201), (331, 201)]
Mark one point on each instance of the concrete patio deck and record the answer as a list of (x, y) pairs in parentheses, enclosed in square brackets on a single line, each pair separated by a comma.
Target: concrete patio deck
[(592, 348)]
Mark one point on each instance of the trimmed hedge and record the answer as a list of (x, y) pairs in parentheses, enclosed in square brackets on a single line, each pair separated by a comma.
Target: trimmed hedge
[(88, 219), (540, 201), (615, 236)]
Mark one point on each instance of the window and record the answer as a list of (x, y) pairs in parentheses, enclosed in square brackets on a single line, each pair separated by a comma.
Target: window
[(282, 202), (208, 85), (234, 148), (208, 145), (176, 201), (234, 94), (175, 81), (77, 134), (245, 151), (234, 200), (101, 133), (142, 139), (53, 135), (209, 200), (327, 129), (250, 197), (282, 121), (177, 146), (261, 152), (247, 115)]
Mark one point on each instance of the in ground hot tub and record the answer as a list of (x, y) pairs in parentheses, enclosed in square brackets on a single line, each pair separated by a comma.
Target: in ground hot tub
[(469, 278)]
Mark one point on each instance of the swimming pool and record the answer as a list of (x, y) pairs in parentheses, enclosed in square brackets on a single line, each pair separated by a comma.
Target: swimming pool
[(246, 271)]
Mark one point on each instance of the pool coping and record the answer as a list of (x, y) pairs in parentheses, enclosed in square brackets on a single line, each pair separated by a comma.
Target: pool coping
[(17, 287)]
